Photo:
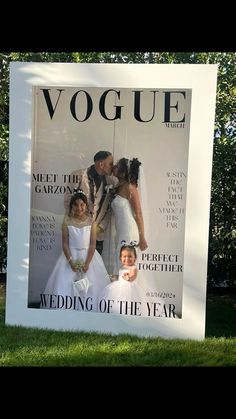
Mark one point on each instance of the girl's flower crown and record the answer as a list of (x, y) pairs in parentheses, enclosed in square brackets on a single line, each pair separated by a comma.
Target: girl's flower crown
[(78, 190)]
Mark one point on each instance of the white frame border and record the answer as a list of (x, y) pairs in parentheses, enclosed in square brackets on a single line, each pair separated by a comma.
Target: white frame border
[(202, 79)]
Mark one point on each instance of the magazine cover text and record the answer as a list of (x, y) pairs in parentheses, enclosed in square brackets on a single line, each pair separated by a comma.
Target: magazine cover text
[(108, 200)]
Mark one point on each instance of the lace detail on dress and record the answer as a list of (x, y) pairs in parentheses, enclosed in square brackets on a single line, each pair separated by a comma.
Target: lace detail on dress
[(72, 221)]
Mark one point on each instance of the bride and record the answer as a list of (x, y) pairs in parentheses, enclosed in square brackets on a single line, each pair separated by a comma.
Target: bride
[(128, 292), (127, 208)]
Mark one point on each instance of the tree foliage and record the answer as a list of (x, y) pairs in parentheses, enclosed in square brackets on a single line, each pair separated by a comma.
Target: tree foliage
[(222, 231)]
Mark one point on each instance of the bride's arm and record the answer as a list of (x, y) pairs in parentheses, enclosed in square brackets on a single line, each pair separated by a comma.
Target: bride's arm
[(136, 206)]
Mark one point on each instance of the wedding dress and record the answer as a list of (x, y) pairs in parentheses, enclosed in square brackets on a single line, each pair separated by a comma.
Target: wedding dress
[(127, 297), (126, 227), (60, 282)]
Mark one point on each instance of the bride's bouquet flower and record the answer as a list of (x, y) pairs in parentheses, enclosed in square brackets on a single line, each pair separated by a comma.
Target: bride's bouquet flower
[(78, 264)]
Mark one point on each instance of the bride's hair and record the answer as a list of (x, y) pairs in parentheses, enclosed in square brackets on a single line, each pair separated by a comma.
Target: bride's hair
[(129, 169)]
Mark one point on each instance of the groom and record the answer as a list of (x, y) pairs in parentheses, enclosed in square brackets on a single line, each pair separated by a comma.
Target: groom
[(93, 181)]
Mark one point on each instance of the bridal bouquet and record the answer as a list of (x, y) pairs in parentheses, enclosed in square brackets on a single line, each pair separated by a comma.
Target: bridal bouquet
[(78, 265), (81, 282)]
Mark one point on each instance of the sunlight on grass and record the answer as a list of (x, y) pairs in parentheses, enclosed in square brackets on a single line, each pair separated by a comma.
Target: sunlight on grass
[(20, 346)]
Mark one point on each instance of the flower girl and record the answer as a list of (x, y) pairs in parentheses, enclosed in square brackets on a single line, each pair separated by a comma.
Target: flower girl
[(79, 274)]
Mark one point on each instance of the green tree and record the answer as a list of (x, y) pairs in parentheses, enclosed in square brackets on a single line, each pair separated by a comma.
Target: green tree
[(5, 59), (222, 230), (4, 134)]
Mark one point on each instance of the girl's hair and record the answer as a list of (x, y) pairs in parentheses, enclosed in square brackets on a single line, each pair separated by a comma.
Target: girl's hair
[(78, 195), (129, 170), (128, 247)]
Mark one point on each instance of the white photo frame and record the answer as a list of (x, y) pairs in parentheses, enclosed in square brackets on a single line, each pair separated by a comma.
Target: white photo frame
[(201, 79)]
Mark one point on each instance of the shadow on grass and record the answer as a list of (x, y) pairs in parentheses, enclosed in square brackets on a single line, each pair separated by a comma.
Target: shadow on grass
[(221, 315)]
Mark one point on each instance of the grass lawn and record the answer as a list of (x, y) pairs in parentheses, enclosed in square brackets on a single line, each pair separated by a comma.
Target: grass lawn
[(20, 346)]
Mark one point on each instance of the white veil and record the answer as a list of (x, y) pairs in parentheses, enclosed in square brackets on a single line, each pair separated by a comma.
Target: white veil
[(143, 193), (109, 247), (108, 253)]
